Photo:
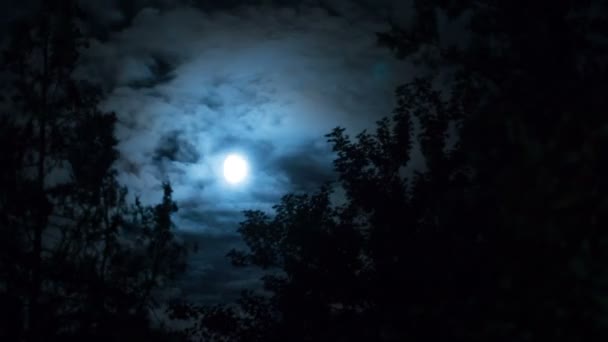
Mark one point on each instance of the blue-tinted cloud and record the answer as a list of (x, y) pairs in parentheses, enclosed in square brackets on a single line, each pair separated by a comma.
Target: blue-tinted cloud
[(191, 84)]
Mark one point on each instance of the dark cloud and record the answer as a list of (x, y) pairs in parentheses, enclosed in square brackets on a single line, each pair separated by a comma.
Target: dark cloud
[(173, 147), (306, 168), (211, 277), (157, 71)]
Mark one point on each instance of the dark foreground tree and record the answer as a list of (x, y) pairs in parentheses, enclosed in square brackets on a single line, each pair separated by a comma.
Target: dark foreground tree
[(501, 238), (76, 260)]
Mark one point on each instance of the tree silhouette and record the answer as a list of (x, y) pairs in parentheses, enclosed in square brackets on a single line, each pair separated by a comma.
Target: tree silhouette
[(498, 239), (77, 261), (529, 88)]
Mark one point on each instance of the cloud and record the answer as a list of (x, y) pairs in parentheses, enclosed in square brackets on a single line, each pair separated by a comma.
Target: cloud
[(211, 278), (191, 84), (258, 76), (173, 147)]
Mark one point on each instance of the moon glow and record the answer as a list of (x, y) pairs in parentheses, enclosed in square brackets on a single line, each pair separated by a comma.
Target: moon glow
[(235, 169)]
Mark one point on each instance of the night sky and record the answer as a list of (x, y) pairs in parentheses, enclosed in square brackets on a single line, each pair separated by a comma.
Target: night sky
[(228, 109), (193, 81)]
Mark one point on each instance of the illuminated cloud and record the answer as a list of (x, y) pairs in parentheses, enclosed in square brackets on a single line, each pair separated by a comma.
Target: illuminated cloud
[(190, 84)]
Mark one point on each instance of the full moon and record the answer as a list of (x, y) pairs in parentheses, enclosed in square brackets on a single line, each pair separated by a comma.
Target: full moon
[(235, 169)]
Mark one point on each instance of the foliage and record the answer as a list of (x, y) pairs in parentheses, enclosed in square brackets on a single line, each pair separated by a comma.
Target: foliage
[(76, 260)]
